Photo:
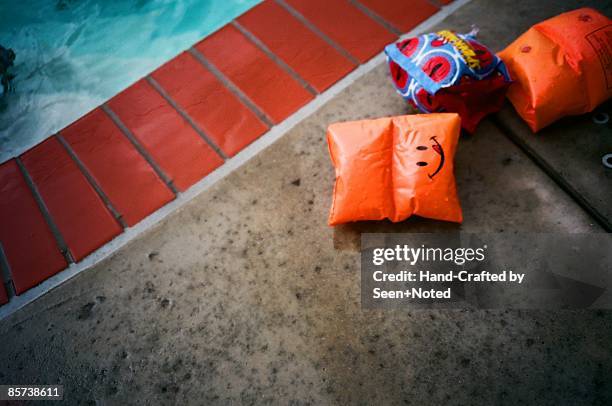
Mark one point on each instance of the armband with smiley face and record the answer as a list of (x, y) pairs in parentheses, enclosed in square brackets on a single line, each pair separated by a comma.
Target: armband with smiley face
[(395, 167)]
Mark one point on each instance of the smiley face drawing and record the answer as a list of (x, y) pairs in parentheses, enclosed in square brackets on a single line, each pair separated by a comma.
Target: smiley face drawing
[(438, 150)]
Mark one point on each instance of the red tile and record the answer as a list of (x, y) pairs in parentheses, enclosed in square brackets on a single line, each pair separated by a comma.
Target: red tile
[(309, 55), (3, 295), (123, 174), (229, 123), (262, 80), (445, 2), (28, 243), (353, 30), (404, 14), (80, 215), (171, 141)]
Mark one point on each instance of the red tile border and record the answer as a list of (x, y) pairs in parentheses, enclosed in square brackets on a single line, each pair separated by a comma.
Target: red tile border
[(172, 142), (123, 174), (305, 52), (403, 15), (263, 81), (80, 215), (353, 30), (27, 241), (229, 123)]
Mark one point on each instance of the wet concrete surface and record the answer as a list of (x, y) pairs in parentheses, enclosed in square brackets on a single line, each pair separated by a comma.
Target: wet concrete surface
[(571, 152), (246, 296)]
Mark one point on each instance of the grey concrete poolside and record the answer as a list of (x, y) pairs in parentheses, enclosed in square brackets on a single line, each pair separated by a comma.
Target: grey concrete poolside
[(246, 296)]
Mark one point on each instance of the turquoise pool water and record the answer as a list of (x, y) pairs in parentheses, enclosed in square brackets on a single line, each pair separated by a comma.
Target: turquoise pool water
[(72, 55)]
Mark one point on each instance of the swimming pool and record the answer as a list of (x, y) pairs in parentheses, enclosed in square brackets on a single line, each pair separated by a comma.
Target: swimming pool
[(72, 55)]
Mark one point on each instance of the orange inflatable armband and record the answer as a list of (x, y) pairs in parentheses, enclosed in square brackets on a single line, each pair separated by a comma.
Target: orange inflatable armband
[(395, 167), (561, 66)]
